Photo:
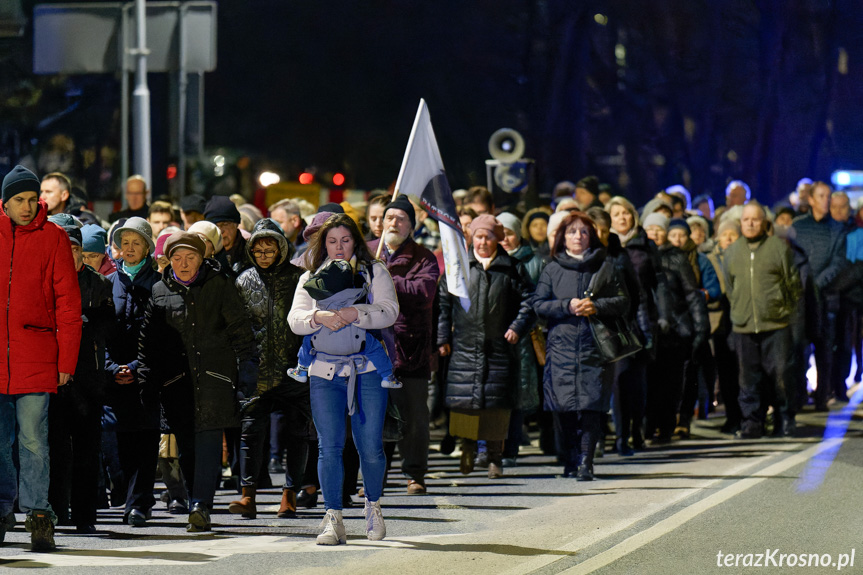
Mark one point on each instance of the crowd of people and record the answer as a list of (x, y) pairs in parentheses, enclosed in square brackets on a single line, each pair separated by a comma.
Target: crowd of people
[(206, 340)]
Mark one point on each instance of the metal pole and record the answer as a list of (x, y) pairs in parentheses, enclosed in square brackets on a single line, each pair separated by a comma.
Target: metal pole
[(141, 103), (200, 115), (124, 102), (181, 116)]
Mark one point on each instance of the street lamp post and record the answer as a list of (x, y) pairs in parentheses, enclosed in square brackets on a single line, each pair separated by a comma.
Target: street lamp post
[(141, 98)]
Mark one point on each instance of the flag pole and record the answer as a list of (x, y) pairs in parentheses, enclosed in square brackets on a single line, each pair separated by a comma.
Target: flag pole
[(402, 169)]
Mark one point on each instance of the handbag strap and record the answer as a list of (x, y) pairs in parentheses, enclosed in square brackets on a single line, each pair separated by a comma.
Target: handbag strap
[(591, 285)]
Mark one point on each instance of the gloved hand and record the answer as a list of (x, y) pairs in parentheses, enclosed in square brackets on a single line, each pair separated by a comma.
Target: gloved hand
[(248, 377)]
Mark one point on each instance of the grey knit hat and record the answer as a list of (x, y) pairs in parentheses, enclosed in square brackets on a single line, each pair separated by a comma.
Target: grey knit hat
[(656, 219), (140, 227), (510, 222), (654, 205)]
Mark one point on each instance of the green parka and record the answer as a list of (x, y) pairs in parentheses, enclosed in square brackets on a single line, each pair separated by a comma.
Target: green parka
[(762, 284)]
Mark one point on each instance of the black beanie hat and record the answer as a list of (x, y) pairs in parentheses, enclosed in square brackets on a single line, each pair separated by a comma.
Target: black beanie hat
[(222, 209), (404, 204), (333, 208), (18, 181), (193, 203), (589, 183)]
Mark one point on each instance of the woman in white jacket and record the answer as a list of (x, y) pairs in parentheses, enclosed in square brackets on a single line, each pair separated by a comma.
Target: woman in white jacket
[(343, 380)]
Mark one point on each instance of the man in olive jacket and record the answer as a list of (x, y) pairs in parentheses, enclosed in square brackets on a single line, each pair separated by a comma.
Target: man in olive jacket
[(762, 286)]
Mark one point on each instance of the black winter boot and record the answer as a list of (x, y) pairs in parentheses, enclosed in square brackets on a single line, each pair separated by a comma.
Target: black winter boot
[(585, 468)]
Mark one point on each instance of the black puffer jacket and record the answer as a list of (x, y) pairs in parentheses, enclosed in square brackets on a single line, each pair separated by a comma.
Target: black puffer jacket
[(268, 295), (483, 367), (690, 325), (573, 370), (191, 342)]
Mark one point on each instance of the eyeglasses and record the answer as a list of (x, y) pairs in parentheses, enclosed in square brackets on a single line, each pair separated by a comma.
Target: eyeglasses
[(266, 254)]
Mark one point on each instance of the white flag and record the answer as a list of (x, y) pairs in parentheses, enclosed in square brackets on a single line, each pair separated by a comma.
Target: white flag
[(422, 175)]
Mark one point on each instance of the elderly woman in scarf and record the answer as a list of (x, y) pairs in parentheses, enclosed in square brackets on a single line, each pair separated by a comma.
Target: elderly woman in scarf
[(481, 379)]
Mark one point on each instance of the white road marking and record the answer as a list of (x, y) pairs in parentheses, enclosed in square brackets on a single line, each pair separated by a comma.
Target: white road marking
[(671, 523), (200, 552), (598, 535)]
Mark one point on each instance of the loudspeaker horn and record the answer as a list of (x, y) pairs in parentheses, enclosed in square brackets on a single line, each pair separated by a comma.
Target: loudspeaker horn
[(506, 145)]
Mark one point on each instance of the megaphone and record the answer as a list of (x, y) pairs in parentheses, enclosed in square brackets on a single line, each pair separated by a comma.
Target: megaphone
[(506, 145)]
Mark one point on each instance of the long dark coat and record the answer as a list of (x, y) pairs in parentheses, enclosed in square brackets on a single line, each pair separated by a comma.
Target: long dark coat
[(483, 367), (191, 342), (130, 305), (573, 371)]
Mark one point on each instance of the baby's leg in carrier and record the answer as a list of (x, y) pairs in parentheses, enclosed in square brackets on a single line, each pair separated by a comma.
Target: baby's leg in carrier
[(304, 360), (377, 354)]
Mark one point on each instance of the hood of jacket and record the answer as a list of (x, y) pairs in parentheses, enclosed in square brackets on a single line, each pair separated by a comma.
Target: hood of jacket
[(267, 228)]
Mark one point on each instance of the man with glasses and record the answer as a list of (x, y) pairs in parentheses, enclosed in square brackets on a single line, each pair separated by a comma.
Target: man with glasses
[(94, 244)]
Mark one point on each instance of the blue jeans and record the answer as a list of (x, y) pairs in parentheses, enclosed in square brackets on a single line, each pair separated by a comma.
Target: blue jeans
[(30, 412), (329, 410)]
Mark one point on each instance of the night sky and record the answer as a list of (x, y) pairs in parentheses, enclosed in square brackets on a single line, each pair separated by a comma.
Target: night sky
[(642, 94)]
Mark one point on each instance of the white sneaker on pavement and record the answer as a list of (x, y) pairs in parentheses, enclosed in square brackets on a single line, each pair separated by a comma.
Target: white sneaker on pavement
[(334, 529), (375, 528)]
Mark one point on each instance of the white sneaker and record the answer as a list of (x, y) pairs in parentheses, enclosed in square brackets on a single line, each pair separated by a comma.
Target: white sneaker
[(334, 529), (391, 383), (299, 373), (375, 528)]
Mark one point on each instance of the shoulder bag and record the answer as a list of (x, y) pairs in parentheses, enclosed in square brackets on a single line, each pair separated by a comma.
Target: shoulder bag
[(616, 338)]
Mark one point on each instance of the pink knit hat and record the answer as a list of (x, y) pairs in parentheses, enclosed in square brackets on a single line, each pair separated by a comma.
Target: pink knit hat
[(489, 223), (160, 245)]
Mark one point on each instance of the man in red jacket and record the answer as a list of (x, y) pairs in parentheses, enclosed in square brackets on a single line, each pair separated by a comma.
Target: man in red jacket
[(415, 272), (40, 327)]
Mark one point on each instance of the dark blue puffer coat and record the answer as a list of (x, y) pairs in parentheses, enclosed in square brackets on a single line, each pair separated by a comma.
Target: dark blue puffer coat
[(130, 304), (573, 371)]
